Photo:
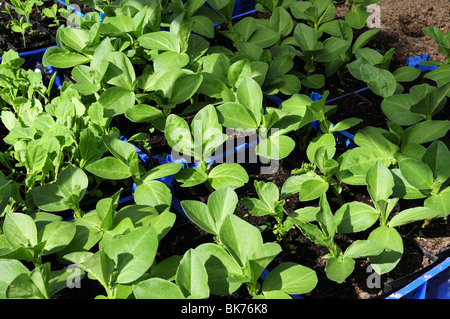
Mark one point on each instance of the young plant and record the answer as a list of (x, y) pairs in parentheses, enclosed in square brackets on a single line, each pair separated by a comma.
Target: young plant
[(52, 13), (320, 152), (40, 283), (65, 193), (388, 147), (30, 238), (246, 113), (372, 67), (425, 176), (315, 13), (121, 262), (251, 30), (357, 216), (268, 203), (189, 280), (313, 51), (20, 26), (421, 103), (107, 222), (339, 264), (20, 88), (240, 252), (25, 8), (200, 141)]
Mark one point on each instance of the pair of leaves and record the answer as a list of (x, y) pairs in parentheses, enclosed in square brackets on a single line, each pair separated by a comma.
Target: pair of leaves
[(123, 260), (222, 175), (26, 238), (123, 164), (17, 282), (66, 193), (203, 137)]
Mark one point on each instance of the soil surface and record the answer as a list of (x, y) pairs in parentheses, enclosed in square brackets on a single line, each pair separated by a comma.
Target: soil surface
[(402, 22)]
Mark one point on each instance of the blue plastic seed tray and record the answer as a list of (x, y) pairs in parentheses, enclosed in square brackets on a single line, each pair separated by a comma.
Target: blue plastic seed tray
[(434, 284)]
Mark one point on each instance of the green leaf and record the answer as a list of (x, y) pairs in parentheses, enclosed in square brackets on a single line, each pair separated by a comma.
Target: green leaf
[(398, 109), (441, 75), (312, 188), (380, 182), (381, 82), (23, 287), (222, 203), (249, 94), (291, 278), (35, 157), (192, 277), (392, 243), (9, 270), (355, 217), (417, 173), (327, 141), (20, 230), (363, 248), (109, 168), (133, 253), (198, 212), (142, 113), (436, 157), (357, 17), (406, 74), (314, 81), (332, 49), (236, 116), (312, 232), (75, 38), (306, 214), (345, 124), (363, 39), (116, 100), (275, 147), (189, 177), (227, 175), (56, 236), (307, 37), (170, 59), (256, 207), (431, 101), (157, 288), (153, 193), (160, 40), (220, 266), (120, 71), (240, 238), (264, 37), (412, 215), (65, 60), (185, 87), (426, 131), (440, 202), (339, 268), (178, 135), (162, 170), (281, 21), (72, 180)]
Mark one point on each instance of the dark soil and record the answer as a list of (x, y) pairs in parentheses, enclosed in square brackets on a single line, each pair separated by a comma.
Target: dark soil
[(402, 22)]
